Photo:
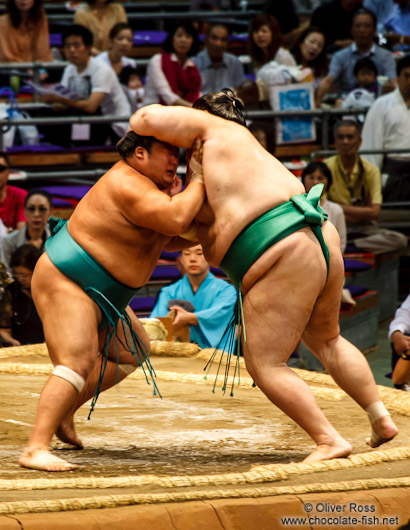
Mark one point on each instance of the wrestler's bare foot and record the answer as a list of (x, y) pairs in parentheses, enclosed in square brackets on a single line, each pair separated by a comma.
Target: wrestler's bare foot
[(43, 460), (66, 433), (335, 448), (383, 430)]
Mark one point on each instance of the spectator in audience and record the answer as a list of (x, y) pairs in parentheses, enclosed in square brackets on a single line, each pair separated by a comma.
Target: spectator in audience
[(218, 68), (172, 77), (99, 17), (265, 134), (285, 14), (98, 88), (342, 63), (264, 42), (37, 208), (131, 82), (24, 33), (397, 25), (399, 334), (11, 199), (19, 320), (357, 188), (335, 18), (382, 10), (310, 52), (387, 126), (116, 56), (213, 300), (365, 90), (319, 173)]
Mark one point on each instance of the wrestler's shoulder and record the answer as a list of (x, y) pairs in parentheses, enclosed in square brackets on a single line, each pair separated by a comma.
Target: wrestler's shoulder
[(121, 177)]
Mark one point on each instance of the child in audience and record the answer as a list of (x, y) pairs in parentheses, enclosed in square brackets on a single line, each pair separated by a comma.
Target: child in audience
[(366, 89), (131, 82)]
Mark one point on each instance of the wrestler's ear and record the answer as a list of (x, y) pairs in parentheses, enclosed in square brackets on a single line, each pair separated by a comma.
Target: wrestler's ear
[(140, 153)]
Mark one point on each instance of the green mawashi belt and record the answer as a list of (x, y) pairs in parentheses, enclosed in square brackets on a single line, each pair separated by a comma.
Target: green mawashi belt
[(272, 226)]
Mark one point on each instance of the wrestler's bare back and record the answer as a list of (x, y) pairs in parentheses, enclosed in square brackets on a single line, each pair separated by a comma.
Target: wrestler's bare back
[(242, 182), (242, 179)]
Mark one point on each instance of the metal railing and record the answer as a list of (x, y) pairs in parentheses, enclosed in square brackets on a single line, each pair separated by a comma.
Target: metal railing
[(37, 66), (325, 116), (5, 124)]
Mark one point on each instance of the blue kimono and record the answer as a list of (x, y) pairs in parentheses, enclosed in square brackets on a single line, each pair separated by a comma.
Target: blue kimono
[(214, 304)]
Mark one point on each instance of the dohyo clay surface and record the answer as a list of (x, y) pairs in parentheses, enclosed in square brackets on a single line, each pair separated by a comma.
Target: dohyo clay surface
[(196, 459)]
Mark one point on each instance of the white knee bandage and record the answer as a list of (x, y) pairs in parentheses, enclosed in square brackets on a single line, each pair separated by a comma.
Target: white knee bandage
[(69, 375), (127, 368), (376, 411)]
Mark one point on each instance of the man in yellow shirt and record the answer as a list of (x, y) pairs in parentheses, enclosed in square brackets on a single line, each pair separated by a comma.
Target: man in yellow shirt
[(357, 188)]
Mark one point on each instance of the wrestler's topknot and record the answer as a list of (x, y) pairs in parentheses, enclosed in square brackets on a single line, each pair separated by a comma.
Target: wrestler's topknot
[(224, 104)]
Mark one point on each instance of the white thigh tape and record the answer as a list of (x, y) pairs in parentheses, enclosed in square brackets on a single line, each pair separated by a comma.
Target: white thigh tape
[(127, 368), (376, 411), (196, 168), (69, 375)]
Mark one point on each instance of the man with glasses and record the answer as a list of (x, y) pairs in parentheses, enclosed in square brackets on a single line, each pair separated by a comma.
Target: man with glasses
[(11, 199)]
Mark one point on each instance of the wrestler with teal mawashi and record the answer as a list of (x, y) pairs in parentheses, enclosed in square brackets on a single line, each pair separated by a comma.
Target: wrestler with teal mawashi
[(91, 268)]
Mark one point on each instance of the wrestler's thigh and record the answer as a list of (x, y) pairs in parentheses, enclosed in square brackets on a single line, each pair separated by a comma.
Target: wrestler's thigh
[(124, 336), (277, 308), (323, 325), (70, 318)]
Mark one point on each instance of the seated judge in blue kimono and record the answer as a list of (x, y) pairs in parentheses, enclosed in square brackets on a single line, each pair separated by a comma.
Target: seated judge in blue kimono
[(199, 299)]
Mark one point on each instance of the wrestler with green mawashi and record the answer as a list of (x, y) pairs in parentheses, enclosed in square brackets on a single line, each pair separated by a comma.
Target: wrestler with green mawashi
[(276, 246)]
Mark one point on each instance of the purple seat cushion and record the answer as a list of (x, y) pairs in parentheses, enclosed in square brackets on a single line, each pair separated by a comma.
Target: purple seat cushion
[(218, 272), (352, 265), (165, 272), (356, 290), (58, 203), (33, 148), (149, 38), (143, 303), (172, 256), (73, 192), (56, 39)]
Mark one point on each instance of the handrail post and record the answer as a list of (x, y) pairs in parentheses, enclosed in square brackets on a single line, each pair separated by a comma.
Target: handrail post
[(325, 129), (37, 80)]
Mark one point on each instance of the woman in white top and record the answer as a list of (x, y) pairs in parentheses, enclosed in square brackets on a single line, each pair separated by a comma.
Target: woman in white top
[(264, 43), (121, 39), (316, 173)]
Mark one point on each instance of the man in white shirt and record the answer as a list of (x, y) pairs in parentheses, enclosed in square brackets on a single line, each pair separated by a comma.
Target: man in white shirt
[(399, 334), (387, 126), (341, 66), (218, 69), (95, 83)]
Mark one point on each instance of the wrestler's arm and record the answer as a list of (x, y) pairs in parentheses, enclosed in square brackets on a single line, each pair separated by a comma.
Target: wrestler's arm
[(179, 243), (175, 125), (148, 207)]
